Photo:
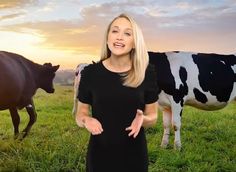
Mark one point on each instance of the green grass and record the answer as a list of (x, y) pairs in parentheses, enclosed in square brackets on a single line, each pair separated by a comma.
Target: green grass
[(55, 143)]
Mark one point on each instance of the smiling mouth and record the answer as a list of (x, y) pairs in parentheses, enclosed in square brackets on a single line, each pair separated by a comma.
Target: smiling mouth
[(118, 45)]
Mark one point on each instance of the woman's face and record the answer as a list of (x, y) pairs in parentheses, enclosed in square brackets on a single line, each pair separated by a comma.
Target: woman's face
[(120, 39)]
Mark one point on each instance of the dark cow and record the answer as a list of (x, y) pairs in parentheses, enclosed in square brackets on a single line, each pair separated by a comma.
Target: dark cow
[(19, 80), (204, 81)]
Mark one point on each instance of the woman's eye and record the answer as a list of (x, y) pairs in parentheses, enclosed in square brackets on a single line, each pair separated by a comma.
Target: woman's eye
[(114, 31), (128, 34)]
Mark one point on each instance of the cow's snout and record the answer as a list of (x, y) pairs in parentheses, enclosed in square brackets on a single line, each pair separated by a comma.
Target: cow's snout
[(51, 90)]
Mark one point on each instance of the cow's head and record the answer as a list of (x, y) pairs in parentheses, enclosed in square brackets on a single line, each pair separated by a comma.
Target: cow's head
[(46, 77)]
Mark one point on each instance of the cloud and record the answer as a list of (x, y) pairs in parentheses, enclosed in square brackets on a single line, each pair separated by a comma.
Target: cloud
[(193, 26), (5, 4), (63, 35), (166, 26), (196, 28), (11, 16)]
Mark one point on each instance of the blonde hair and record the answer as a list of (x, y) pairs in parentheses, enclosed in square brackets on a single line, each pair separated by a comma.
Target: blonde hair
[(139, 55)]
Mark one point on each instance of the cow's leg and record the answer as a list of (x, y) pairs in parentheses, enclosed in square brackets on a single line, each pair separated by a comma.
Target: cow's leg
[(15, 120), (74, 111), (76, 85), (33, 117), (176, 124), (166, 125)]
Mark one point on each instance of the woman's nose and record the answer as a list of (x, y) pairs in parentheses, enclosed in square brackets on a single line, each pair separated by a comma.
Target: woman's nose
[(119, 36)]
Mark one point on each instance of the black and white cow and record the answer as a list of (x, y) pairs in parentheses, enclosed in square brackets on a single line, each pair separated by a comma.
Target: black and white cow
[(204, 81), (19, 80), (78, 69)]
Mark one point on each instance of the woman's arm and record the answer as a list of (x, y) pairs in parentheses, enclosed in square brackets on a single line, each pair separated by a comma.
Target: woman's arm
[(83, 119), (146, 119), (150, 115)]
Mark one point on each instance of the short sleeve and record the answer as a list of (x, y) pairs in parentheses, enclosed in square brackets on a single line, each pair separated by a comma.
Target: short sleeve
[(151, 87), (84, 91)]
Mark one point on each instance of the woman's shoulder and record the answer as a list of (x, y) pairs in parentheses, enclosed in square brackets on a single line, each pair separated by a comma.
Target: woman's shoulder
[(150, 69), (150, 74), (91, 68)]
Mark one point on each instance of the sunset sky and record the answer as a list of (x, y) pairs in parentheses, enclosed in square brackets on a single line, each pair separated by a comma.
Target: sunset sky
[(69, 32)]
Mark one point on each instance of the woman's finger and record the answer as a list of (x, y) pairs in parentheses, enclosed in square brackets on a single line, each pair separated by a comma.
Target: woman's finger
[(132, 132), (139, 112), (136, 133), (96, 132), (128, 128)]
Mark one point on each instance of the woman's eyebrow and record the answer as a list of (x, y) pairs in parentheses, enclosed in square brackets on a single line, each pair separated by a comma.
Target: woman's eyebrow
[(117, 27), (128, 29)]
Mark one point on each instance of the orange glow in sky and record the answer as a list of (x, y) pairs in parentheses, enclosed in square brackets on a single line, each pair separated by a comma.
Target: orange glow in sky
[(71, 32)]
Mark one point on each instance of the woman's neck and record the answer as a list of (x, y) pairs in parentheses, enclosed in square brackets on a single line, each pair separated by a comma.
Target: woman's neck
[(118, 64)]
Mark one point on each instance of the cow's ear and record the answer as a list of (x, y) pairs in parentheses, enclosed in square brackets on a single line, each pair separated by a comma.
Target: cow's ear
[(55, 68), (48, 64)]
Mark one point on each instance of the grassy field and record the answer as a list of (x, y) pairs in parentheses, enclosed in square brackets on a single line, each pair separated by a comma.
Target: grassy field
[(55, 143)]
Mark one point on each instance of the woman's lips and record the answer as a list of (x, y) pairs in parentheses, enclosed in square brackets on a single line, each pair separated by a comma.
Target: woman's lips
[(119, 45)]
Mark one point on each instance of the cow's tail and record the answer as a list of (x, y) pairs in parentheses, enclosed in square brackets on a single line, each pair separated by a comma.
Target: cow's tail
[(233, 66), (234, 81)]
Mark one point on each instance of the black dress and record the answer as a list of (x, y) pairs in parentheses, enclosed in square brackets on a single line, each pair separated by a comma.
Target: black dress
[(115, 106)]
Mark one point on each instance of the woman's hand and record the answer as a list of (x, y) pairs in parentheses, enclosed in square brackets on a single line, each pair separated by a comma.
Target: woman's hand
[(136, 124), (93, 125), (83, 119)]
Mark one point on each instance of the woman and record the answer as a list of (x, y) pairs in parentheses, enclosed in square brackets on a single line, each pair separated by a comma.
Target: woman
[(122, 93)]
